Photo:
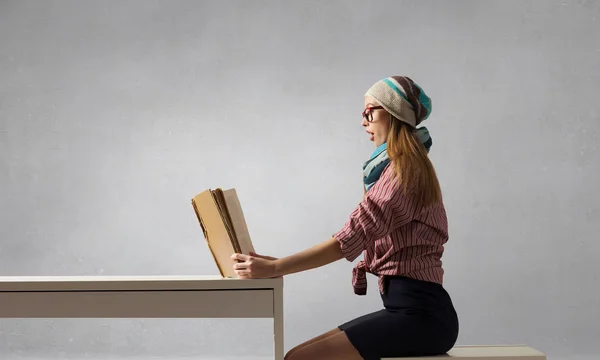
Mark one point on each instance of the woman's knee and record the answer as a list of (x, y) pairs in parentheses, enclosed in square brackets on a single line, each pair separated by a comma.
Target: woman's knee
[(295, 354), (311, 341), (333, 347)]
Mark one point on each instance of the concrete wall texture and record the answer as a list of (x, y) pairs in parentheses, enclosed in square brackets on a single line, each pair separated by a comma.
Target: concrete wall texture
[(113, 114)]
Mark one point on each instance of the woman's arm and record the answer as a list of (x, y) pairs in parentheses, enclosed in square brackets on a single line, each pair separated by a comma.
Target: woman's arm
[(319, 255)]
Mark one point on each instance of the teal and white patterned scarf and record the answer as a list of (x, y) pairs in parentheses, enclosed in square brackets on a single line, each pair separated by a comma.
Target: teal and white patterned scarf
[(379, 159)]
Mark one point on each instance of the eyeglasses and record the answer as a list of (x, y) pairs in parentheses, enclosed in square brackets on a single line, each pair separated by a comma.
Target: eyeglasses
[(367, 114)]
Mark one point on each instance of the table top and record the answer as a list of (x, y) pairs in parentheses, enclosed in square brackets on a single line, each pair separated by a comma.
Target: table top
[(134, 283)]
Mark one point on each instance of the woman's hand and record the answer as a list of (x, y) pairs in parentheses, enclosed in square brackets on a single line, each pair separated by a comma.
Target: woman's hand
[(254, 266)]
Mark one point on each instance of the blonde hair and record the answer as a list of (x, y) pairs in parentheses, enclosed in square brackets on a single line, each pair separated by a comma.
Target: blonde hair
[(411, 163)]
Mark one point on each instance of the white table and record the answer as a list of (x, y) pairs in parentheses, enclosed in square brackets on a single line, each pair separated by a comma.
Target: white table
[(144, 297)]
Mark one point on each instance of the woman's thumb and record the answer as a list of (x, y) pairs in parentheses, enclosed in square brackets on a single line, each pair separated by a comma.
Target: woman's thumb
[(252, 253)]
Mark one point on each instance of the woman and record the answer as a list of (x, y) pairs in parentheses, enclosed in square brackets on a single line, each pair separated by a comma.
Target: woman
[(401, 228)]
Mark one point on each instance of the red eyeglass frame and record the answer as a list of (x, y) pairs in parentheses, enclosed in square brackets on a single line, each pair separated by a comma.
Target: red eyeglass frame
[(368, 112)]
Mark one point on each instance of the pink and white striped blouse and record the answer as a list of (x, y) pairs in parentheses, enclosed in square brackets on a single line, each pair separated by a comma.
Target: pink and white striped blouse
[(395, 235)]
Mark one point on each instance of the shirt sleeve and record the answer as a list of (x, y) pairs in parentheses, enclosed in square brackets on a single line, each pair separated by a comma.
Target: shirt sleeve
[(384, 208)]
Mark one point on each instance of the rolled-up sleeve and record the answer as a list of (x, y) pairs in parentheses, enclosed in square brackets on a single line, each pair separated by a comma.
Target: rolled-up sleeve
[(384, 208)]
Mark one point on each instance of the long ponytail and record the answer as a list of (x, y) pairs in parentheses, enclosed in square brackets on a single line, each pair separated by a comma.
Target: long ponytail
[(413, 169)]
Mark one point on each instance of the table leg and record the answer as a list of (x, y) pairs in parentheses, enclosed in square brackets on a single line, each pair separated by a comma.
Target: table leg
[(278, 323)]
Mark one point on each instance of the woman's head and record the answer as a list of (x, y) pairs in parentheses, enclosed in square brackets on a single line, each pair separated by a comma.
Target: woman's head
[(376, 120), (395, 97), (394, 106)]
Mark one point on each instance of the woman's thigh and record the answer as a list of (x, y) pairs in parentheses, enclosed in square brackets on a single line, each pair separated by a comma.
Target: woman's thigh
[(397, 333), (333, 345)]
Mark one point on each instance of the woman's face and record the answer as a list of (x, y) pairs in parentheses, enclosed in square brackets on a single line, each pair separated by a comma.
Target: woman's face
[(376, 121)]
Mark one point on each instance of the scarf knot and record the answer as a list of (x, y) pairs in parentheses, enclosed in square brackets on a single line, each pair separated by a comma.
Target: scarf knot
[(379, 159)]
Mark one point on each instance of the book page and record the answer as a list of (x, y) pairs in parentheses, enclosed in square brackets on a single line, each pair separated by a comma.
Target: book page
[(225, 215), (238, 221)]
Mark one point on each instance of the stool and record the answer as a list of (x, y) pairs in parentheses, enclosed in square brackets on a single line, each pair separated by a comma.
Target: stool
[(484, 352)]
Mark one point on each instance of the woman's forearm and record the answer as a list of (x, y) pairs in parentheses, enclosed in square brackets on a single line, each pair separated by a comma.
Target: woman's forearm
[(319, 255)]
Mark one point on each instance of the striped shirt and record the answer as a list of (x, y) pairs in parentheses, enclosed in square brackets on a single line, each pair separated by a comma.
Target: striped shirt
[(394, 234)]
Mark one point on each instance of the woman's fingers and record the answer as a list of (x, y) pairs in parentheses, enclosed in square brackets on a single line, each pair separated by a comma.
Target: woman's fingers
[(240, 266), (243, 274), (243, 261), (240, 257)]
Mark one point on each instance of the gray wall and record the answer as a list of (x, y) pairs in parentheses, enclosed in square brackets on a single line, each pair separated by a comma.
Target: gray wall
[(114, 114)]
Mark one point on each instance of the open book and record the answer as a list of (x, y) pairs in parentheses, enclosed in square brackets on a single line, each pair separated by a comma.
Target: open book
[(222, 221)]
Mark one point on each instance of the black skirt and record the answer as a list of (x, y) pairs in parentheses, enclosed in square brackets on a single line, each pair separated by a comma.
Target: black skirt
[(418, 319)]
